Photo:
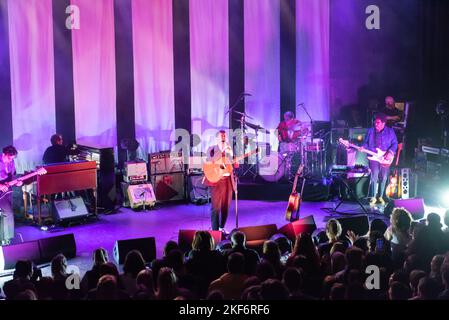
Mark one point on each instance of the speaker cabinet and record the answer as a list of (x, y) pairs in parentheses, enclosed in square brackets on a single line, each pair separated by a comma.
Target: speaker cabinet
[(415, 206), (50, 247), (291, 230), (169, 187), (70, 209), (146, 246), (257, 235), (21, 251), (185, 238), (358, 224)]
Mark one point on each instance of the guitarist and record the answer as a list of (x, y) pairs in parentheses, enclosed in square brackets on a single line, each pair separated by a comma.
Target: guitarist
[(384, 138), (221, 191), (7, 172)]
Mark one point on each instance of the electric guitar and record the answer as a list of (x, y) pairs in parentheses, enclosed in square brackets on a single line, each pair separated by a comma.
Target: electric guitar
[(392, 189), (214, 170), (40, 171), (294, 201), (378, 156)]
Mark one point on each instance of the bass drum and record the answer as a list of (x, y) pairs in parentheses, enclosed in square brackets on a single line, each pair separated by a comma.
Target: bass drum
[(272, 167)]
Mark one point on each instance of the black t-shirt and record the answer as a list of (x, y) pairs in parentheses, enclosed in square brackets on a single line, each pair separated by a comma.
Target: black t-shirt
[(55, 154), (391, 113)]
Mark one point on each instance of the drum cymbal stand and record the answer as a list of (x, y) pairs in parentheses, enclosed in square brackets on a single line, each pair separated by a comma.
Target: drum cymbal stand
[(253, 168)]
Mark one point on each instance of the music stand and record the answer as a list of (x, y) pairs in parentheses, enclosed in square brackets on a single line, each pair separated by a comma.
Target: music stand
[(350, 191)]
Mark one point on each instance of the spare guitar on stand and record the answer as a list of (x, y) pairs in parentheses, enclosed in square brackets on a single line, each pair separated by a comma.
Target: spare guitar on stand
[(294, 201), (392, 190)]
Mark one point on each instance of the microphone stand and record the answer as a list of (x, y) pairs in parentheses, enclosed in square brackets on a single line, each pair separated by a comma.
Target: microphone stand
[(236, 202), (311, 121)]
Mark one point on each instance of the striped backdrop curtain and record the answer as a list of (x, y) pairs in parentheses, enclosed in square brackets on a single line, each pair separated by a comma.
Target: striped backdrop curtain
[(262, 64), (30, 29), (312, 58), (32, 79), (94, 73), (209, 65), (153, 73)]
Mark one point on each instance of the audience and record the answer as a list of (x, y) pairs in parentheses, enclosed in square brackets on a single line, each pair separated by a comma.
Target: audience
[(398, 233), (133, 264), (59, 275), (398, 291), (444, 295), (304, 246), (238, 241), (272, 255), (333, 233), (144, 285), (21, 280), (412, 259), (157, 264), (204, 262), (231, 284), (91, 277)]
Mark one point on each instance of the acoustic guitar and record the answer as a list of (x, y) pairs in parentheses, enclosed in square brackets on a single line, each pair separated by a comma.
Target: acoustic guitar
[(12, 183), (294, 201), (215, 170), (392, 190)]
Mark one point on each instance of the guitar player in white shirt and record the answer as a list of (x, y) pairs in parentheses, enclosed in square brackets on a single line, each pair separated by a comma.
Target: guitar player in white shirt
[(221, 191)]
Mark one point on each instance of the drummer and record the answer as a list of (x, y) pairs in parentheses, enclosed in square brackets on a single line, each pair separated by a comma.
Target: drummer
[(289, 130)]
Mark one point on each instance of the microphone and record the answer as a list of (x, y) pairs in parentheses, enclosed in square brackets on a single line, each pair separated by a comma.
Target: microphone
[(246, 94), (301, 104)]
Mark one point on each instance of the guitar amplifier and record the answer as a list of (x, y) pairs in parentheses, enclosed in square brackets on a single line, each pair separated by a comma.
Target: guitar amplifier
[(157, 162), (135, 171), (175, 162), (169, 187), (140, 195), (166, 162)]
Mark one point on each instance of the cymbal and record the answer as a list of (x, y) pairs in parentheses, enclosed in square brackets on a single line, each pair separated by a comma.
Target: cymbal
[(243, 114), (253, 126), (257, 127)]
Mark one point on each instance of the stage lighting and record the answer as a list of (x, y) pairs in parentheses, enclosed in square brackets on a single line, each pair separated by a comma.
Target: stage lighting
[(445, 198)]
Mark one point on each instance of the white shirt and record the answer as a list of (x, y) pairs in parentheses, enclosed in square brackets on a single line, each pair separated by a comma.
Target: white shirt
[(225, 147)]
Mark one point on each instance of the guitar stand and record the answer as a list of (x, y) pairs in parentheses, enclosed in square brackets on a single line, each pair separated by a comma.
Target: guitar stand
[(351, 194), (253, 168)]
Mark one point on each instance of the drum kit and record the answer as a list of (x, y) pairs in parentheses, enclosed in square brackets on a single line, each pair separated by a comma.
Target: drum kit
[(299, 148)]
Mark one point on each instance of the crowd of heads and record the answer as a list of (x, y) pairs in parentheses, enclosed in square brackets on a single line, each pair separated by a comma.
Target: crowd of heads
[(412, 259)]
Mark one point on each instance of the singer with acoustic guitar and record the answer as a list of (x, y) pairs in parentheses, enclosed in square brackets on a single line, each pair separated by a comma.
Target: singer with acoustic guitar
[(219, 175)]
